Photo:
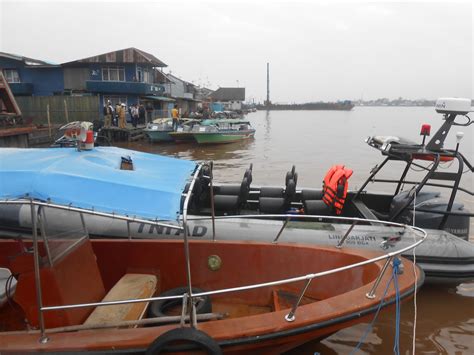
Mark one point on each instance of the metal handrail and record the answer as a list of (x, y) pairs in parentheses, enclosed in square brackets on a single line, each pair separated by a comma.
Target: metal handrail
[(254, 286), (89, 212), (301, 216), (289, 317)]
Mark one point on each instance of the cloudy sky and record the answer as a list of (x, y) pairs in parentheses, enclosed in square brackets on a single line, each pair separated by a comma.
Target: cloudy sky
[(316, 50)]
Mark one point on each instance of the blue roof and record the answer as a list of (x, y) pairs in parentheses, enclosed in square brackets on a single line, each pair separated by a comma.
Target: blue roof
[(93, 179)]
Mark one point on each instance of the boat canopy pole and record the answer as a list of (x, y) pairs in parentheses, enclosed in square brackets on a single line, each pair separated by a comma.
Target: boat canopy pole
[(213, 211), (374, 172), (42, 220), (457, 179), (402, 178), (39, 299), (192, 314), (418, 187)]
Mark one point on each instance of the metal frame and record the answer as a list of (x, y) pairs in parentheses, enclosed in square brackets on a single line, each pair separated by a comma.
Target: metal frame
[(189, 307), (192, 308), (434, 147)]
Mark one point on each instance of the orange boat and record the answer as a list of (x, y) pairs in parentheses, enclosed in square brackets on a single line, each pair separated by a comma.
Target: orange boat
[(70, 293)]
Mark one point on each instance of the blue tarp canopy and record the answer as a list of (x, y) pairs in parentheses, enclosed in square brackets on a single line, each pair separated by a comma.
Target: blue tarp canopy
[(93, 180)]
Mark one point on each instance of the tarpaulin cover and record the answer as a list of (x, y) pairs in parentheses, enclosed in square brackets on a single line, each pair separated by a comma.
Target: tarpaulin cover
[(93, 180)]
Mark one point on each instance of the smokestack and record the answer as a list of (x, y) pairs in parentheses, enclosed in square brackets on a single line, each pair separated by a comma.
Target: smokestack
[(268, 85)]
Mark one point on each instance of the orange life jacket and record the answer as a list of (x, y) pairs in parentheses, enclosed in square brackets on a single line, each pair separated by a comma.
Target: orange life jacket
[(335, 187)]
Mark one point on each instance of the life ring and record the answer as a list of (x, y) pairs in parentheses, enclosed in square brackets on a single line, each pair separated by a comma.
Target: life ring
[(187, 335), (158, 308)]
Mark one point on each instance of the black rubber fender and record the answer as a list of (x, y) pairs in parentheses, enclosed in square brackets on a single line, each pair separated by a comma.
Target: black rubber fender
[(158, 308), (191, 336)]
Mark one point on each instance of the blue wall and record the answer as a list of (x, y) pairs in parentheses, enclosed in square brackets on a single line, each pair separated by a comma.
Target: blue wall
[(217, 107), (46, 81)]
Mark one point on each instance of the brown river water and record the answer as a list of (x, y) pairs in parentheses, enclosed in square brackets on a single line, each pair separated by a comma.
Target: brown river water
[(315, 140)]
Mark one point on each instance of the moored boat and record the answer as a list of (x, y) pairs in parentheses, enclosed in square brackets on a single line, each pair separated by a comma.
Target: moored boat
[(445, 256), (184, 132), (215, 131), (159, 130), (114, 296)]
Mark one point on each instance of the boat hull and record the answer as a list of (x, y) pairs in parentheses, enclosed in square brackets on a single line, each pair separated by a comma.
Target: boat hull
[(159, 136), (182, 136), (334, 304), (444, 257), (222, 137)]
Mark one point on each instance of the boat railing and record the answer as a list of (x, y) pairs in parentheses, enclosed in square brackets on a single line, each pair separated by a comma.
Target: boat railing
[(190, 297)]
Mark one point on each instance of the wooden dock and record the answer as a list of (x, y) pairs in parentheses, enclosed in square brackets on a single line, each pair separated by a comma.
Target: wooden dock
[(128, 134), (15, 137)]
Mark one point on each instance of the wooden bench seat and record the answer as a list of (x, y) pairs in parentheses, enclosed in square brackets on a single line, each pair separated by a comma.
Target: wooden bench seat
[(130, 286)]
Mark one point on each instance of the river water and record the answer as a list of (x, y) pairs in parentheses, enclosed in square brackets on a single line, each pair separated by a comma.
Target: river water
[(315, 140)]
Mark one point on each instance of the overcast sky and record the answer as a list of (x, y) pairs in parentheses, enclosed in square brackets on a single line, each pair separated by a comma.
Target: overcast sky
[(316, 50)]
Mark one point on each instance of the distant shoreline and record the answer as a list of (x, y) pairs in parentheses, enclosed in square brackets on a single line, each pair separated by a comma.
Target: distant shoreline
[(342, 106), (395, 105)]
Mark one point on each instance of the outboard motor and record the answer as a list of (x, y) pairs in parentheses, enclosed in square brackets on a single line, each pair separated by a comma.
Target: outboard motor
[(431, 201)]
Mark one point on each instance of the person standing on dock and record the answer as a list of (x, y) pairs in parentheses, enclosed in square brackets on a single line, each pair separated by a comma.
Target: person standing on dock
[(141, 114), (175, 116), (149, 112), (108, 113), (135, 114), (121, 115), (116, 115)]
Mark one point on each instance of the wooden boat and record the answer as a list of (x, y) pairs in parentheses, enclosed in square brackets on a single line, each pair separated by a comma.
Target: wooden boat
[(261, 298), (159, 130), (214, 131)]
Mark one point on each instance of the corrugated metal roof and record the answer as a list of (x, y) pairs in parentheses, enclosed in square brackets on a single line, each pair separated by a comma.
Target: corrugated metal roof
[(162, 77), (28, 61), (228, 94), (128, 55), (160, 98), (174, 79)]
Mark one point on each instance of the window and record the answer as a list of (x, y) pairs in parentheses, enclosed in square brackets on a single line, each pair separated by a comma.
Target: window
[(146, 76), (11, 75), (113, 74), (139, 74), (143, 75), (114, 100)]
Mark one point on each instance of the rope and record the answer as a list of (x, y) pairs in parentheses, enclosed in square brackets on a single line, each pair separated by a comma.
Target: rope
[(396, 347), (369, 328), (396, 265)]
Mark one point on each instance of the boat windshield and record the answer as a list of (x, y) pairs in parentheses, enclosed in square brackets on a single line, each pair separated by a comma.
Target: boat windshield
[(60, 241)]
